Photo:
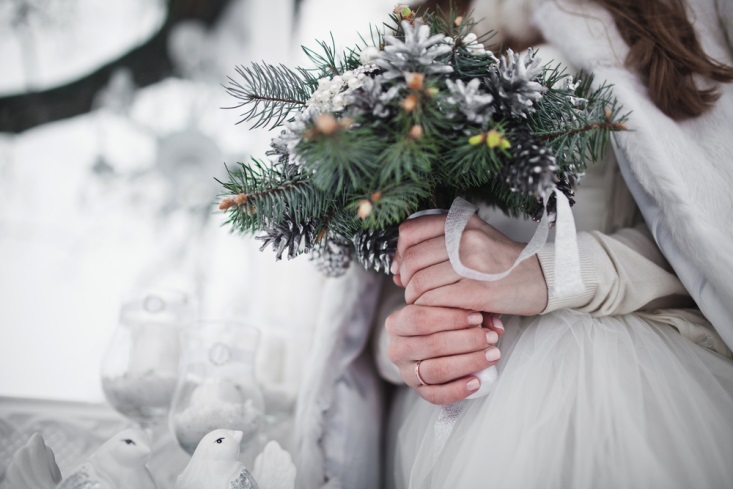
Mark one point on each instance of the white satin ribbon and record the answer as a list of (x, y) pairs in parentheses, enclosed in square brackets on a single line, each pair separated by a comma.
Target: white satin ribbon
[(568, 280)]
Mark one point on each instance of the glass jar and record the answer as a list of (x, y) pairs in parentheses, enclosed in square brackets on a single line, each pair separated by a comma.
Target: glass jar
[(140, 367), (217, 387)]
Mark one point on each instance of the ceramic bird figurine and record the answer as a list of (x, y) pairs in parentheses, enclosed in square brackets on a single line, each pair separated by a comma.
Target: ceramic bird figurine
[(274, 468), (118, 464), (33, 467), (214, 464)]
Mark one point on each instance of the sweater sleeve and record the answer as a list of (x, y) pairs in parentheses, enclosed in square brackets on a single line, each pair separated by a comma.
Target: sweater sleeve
[(622, 273)]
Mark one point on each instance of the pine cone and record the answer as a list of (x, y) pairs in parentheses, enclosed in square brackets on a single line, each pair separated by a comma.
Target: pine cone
[(563, 185), (375, 249), (333, 257), (287, 235), (531, 168), (419, 52), (471, 100), (514, 84), (372, 97)]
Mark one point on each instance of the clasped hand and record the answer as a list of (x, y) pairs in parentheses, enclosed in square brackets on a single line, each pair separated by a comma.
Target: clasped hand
[(438, 327)]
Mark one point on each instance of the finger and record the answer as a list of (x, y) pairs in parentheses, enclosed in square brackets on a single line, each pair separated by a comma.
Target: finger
[(397, 280), (493, 321), (451, 392), (447, 369), (430, 278), (422, 255), (414, 231), (419, 320), (464, 294), (442, 344)]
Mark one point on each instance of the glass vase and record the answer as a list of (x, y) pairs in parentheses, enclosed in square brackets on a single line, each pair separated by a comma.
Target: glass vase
[(140, 367), (217, 387)]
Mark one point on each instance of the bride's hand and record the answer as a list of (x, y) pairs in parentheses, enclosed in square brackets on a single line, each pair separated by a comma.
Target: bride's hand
[(421, 265), (449, 346)]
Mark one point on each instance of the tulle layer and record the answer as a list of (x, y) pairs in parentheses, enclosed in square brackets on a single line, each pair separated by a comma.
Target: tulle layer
[(580, 402)]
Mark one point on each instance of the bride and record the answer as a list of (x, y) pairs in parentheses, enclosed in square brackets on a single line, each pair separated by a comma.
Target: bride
[(627, 384)]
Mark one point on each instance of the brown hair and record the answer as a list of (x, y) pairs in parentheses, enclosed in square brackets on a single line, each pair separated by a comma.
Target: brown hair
[(665, 50)]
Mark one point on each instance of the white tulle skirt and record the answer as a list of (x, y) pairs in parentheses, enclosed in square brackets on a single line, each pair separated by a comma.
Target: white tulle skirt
[(580, 402)]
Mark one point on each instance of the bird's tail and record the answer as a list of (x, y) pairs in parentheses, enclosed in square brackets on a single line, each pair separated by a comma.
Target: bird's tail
[(274, 468), (33, 467)]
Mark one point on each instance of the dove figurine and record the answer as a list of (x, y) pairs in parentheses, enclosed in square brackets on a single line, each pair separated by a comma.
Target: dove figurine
[(214, 464), (274, 468), (118, 464), (33, 466)]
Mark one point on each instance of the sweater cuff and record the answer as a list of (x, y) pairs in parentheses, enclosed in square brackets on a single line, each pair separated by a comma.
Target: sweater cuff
[(587, 248)]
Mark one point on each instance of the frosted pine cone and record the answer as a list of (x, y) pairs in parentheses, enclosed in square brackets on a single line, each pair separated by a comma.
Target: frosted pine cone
[(514, 83), (375, 249), (531, 169), (289, 236), (471, 100), (333, 257), (562, 185), (419, 52)]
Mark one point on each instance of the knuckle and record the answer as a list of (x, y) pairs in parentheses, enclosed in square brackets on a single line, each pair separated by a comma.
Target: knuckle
[(408, 321), (436, 344), (405, 227), (418, 283), (428, 395), (407, 267), (440, 370), (479, 337), (389, 323), (392, 352), (479, 360), (427, 299), (473, 238)]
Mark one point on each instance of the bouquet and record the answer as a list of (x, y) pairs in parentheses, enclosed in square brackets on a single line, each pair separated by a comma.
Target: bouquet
[(416, 115)]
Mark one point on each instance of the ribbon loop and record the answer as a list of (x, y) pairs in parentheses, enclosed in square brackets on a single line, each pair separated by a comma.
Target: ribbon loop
[(567, 262)]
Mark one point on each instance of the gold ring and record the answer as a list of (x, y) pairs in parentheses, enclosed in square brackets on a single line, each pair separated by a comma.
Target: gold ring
[(417, 373)]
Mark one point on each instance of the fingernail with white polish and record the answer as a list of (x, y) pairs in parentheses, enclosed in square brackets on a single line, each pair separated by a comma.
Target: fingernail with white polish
[(497, 323), (492, 337), (475, 318), (473, 385), (493, 354)]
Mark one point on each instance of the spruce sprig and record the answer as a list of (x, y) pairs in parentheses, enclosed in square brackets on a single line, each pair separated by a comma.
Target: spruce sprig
[(264, 193), (327, 61), (268, 93), (576, 124)]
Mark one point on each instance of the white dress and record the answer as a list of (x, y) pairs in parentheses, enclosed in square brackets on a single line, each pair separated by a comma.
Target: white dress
[(582, 401)]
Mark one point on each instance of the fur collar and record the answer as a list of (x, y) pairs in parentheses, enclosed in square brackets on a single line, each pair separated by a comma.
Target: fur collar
[(681, 172)]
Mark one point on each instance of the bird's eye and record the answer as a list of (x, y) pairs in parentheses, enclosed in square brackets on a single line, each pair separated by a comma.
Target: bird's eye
[(219, 440), (128, 441)]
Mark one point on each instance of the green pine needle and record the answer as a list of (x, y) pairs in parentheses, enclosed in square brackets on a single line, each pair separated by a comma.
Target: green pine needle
[(268, 93)]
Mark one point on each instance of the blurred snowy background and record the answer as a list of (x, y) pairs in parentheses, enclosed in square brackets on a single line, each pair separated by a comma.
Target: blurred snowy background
[(111, 134)]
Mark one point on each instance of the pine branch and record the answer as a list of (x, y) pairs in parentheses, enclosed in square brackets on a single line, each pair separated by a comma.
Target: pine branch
[(327, 63), (343, 161), (270, 92), (575, 123), (392, 205), (594, 126), (258, 195)]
